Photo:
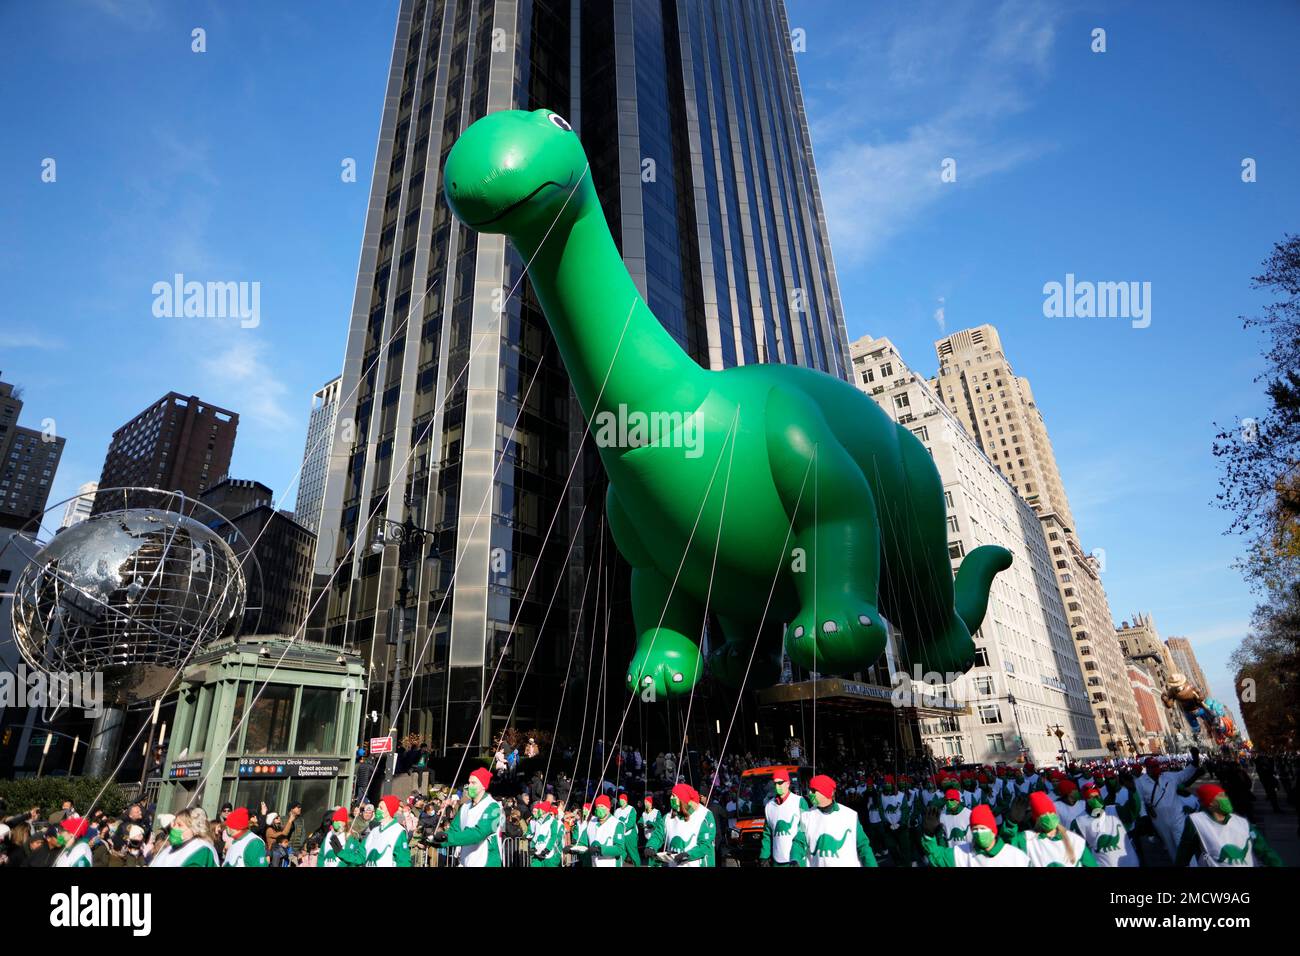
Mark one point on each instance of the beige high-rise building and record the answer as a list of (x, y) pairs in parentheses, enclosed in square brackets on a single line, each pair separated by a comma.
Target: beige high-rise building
[(977, 384), (1185, 662), (1140, 643), (1138, 638)]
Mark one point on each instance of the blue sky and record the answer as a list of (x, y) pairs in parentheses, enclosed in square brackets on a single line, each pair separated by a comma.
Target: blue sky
[(1115, 166)]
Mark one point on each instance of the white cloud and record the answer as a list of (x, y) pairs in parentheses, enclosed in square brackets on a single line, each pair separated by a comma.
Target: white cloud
[(25, 339), (238, 368), (939, 85)]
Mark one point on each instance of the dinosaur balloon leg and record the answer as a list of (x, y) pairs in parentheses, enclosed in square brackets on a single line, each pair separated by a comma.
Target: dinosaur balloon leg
[(827, 499), (780, 498)]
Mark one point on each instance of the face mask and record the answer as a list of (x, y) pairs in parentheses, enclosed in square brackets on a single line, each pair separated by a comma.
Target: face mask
[(953, 805), (601, 813), (1095, 807), (675, 804), (1048, 822), (472, 790), (1223, 805), (622, 802), (61, 839), (983, 837), (175, 837), (381, 813)]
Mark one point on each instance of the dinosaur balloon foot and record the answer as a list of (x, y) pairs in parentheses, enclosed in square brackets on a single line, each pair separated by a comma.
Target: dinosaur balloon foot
[(666, 664), (952, 651), (847, 635), (728, 663)]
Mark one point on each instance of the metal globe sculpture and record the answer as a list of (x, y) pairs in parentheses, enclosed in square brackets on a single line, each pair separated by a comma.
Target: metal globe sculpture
[(126, 591)]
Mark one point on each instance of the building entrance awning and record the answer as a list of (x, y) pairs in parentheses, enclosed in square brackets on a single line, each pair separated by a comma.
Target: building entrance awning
[(849, 696)]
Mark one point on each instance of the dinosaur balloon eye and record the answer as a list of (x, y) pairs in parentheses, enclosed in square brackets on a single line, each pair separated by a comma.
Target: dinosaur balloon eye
[(558, 120)]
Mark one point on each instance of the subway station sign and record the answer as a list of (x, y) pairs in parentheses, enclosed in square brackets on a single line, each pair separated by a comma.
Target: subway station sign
[(273, 768)]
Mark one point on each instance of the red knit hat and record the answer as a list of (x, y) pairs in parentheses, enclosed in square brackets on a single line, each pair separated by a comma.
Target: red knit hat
[(391, 803), (1090, 792), (1040, 803), (982, 816), (237, 819), (1066, 787), (601, 801), (824, 785), (1029, 766), (889, 780), (76, 826), (1207, 793), (952, 794), (650, 798), (780, 775), (586, 806), (340, 815), (482, 776), (685, 794), (551, 808)]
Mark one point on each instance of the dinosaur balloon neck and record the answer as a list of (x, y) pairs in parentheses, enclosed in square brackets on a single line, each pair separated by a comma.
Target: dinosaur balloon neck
[(614, 348)]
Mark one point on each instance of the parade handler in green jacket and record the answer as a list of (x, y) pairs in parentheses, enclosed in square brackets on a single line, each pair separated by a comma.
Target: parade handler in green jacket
[(652, 827), (1047, 843), (1215, 836), (783, 841), (547, 843), (689, 832), (833, 831), (386, 844), (603, 841), (626, 814), (246, 847), (476, 830), (340, 848)]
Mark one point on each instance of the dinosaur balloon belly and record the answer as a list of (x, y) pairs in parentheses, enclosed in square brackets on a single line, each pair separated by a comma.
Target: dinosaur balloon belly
[(781, 498)]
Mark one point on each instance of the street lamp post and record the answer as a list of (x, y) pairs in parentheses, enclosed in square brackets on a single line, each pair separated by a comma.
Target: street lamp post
[(1059, 732), (409, 538), (1015, 716)]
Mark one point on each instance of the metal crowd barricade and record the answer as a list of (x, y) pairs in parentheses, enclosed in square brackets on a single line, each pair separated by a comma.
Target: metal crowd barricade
[(515, 851)]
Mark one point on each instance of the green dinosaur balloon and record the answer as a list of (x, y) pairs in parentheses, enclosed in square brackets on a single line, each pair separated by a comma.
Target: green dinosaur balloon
[(731, 485)]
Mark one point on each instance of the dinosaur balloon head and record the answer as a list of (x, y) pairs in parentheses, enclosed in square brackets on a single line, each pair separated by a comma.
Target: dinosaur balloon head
[(514, 170)]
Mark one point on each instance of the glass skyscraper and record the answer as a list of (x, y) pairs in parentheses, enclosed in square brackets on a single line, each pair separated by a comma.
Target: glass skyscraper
[(691, 114)]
